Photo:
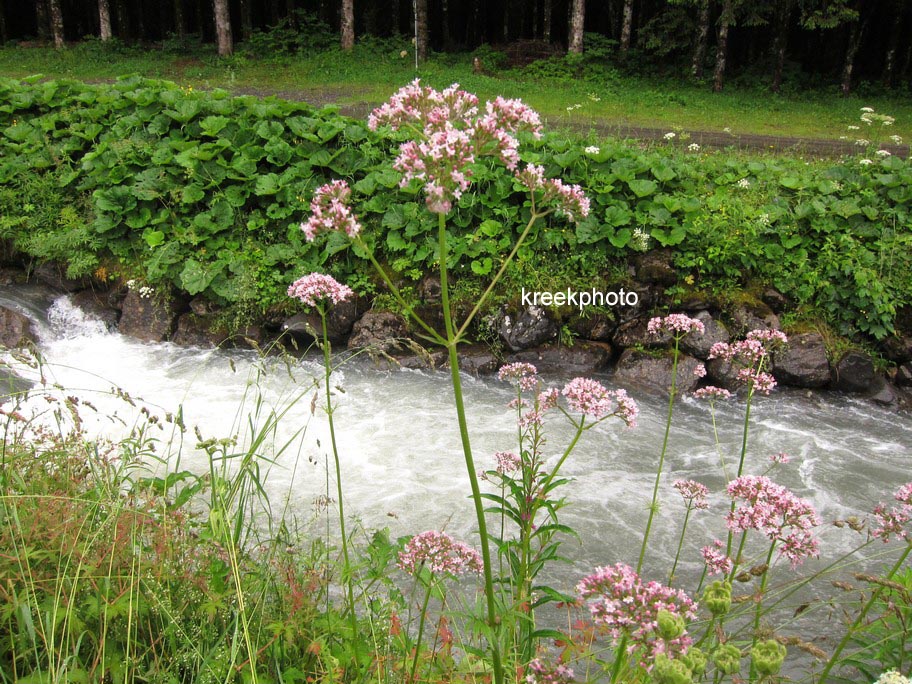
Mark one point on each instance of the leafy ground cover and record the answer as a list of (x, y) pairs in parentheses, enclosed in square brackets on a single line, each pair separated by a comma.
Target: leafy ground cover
[(580, 90)]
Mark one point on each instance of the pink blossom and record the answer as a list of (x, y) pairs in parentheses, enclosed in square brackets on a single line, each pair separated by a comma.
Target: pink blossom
[(894, 521), (711, 392), (677, 324), (591, 398), (781, 457), (507, 462), (316, 287), (694, 493), (547, 399), (717, 562), (439, 553), (414, 105), (443, 161), (762, 381), (700, 371), (329, 211), (777, 513), (569, 200), (623, 605), (546, 673), (522, 374)]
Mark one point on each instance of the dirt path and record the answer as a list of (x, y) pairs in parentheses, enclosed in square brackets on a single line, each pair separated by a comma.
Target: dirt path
[(811, 147)]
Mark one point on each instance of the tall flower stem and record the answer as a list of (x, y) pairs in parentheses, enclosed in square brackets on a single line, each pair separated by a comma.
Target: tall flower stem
[(421, 621), (451, 344), (655, 490), (674, 566), (875, 594), (327, 373)]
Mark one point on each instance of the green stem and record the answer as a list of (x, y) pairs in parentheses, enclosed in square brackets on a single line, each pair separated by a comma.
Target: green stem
[(759, 611), (327, 373), (655, 490), (451, 343), (674, 566), (421, 620), (875, 594)]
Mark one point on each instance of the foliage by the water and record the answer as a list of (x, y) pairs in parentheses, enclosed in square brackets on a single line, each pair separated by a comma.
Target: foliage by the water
[(204, 191)]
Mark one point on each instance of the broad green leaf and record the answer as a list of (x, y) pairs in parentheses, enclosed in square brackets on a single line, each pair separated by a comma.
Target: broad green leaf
[(642, 187)]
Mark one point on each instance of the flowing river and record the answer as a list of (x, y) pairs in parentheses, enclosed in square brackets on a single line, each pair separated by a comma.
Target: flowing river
[(402, 461)]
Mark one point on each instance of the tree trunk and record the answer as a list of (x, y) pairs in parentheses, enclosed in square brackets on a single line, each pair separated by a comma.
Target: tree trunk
[(422, 39), (780, 42), (180, 29), (246, 19), (223, 28), (699, 55), (506, 21), (849, 64), (445, 26), (889, 74), (104, 20), (546, 20), (722, 46), (42, 23), (348, 24), (56, 23), (577, 17), (4, 35), (626, 27)]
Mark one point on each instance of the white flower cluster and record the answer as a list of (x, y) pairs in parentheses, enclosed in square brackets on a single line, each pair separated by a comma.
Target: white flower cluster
[(144, 291), (892, 677), (592, 149), (669, 136), (693, 147), (743, 183)]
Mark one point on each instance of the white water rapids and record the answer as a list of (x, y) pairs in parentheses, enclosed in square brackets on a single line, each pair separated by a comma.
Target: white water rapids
[(402, 461)]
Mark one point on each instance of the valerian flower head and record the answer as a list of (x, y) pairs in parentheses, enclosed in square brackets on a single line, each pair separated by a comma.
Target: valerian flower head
[(540, 672), (592, 399), (693, 493), (711, 392), (569, 200), (622, 604), (330, 211), (717, 562), (717, 597), (767, 657), (677, 324), (507, 462), (895, 520), (317, 287), (752, 354), (892, 677), (523, 375), (439, 553)]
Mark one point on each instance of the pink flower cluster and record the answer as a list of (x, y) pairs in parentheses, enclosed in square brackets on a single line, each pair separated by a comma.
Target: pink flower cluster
[(592, 399), (546, 673), (752, 354), (329, 211), (711, 392), (317, 287), (570, 200), (507, 462), (623, 604), (677, 324), (439, 553), (777, 513), (523, 375), (717, 562), (895, 520), (693, 493)]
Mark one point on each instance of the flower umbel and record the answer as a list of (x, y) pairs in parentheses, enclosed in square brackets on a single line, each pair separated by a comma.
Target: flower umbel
[(439, 553), (592, 399), (329, 211), (317, 287)]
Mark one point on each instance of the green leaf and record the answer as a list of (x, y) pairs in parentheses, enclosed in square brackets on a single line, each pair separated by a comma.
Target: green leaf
[(192, 194), (267, 184), (482, 266), (642, 188), (153, 238), (196, 277)]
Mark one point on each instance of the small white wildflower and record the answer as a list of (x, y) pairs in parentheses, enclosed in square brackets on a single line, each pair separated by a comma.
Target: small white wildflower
[(843, 137), (594, 98), (897, 139), (837, 185), (743, 183), (865, 162), (853, 128), (726, 130), (892, 677), (640, 239), (888, 121), (693, 147), (592, 149), (861, 142), (669, 136), (882, 153), (763, 219), (867, 110)]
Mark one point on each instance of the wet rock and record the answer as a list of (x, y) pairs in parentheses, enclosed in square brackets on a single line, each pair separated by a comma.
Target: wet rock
[(15, 329), (804, 363), (12, 385), (775, 300), (202, 306), (54, 275), (656, 267), (904, 375), (699, 344), (583, 358), (477, 360), (429, 288), (635, 334), (723, 373), (647, 297), (531, 327), (598, 327), (97, 305), (10, 275), (149, 319), (855, 373), (753, 315), (378, 330), (194, 330), (638, 368), (340, 320), (897, 348), (884, 394)]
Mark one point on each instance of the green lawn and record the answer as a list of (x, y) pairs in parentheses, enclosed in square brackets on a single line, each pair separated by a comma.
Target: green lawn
[(587, 93)]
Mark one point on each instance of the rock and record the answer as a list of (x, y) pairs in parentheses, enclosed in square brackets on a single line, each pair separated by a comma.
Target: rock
[(477, 360), (775, 300), (656, 266), (530, 328), (53, 275), (904, 375), (884, 394), (754, 315), (804, 363), (855, 373), (340, 321), (645, 370), (202, 306), (635, 334), (429, 288), (723, 373), (12, 385), (598, 327), (897, 348), (194, 330), (11, 274), (647, 298), (583, 358), (97, 305), (15, 329), (378, 330), (699, 344), (149, 319)]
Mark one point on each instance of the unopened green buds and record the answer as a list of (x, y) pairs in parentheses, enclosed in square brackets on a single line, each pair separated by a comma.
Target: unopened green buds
[(670, 626), (718, 597), (727, 659), (767, 657)]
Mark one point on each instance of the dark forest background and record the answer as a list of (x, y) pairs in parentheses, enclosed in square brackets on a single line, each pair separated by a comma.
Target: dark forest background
[(823, 42)]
